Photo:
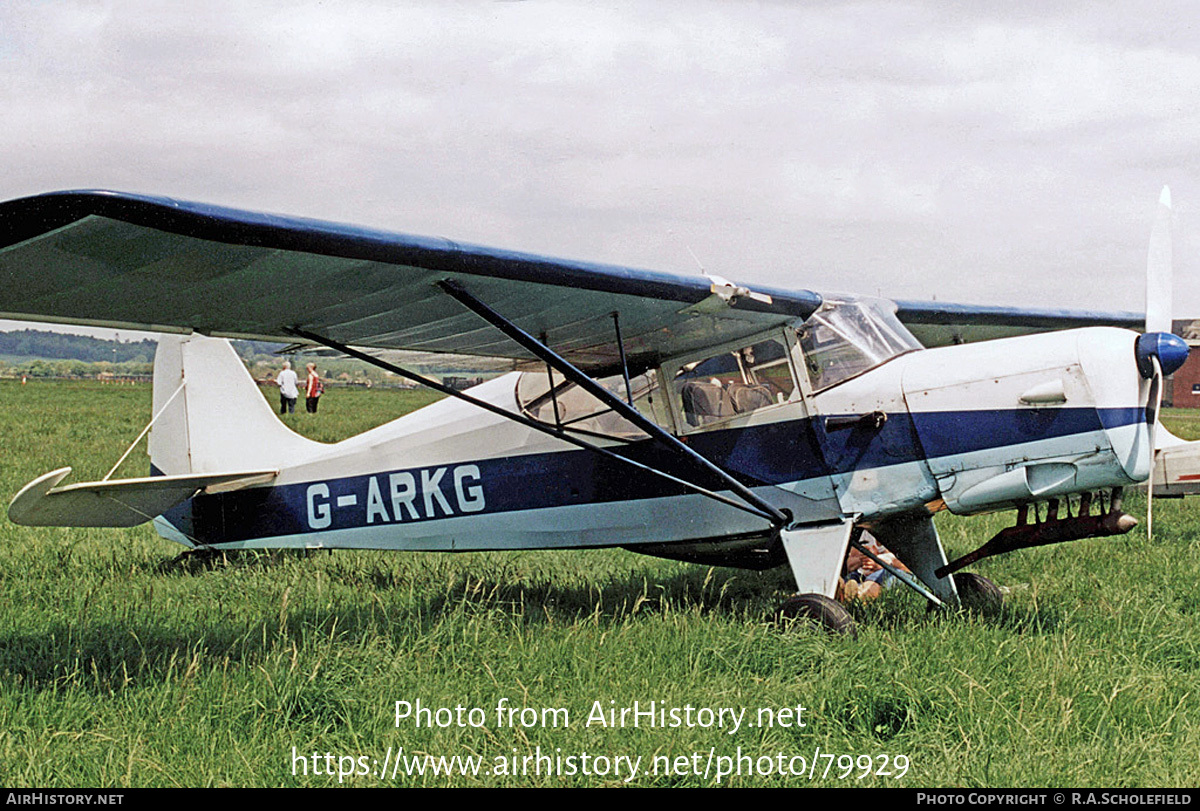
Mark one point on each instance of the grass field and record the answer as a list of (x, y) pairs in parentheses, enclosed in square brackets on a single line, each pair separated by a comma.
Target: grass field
[(116, 670)]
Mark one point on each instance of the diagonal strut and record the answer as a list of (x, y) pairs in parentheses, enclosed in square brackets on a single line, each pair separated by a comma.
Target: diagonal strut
[(581, 379)]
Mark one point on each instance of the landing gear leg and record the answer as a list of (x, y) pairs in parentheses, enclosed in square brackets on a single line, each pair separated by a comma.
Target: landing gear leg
[(816, 554), (914, 540)]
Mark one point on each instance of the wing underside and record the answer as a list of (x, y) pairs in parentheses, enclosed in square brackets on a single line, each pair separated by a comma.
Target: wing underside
[(112, 259), (157, 264)]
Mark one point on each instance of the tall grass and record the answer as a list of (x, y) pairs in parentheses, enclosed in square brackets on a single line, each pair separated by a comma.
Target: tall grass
[(118, 670)]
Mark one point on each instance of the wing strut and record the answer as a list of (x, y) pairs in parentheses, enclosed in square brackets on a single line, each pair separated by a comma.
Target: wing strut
[(579, 378), (557, 432), (903, 577), (624, 362)]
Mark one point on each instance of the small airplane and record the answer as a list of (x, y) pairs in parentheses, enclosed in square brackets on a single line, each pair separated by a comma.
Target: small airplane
[(690, 418)]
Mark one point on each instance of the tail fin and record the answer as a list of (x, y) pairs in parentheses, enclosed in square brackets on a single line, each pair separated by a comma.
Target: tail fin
[(210, 416)]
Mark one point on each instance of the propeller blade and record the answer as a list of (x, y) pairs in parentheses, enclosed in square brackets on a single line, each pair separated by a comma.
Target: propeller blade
[(1158, 269), (1155, 398), (1159, 293)]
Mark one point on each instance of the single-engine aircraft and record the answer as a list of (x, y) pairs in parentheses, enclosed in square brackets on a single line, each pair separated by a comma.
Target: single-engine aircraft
[(688, 418)]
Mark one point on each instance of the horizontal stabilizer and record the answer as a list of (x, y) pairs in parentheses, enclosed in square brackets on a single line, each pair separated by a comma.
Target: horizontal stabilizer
[(120, 502)]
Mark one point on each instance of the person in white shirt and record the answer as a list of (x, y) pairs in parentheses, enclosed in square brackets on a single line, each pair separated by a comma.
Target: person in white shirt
[(288, 392)]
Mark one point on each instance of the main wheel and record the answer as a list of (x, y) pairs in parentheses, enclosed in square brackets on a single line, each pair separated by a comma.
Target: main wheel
[(978, 594), (829, 614)]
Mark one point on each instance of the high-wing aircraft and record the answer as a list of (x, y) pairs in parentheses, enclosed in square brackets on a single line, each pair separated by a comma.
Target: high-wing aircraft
[(689, 418)]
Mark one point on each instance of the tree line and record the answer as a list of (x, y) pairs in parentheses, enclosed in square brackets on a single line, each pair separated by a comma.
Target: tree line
[(33, 343)]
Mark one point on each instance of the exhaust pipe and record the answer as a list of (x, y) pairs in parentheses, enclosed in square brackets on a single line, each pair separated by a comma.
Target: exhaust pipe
[(1053, 530)]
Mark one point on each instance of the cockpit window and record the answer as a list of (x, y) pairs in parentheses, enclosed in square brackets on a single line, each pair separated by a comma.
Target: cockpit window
[(845, 338), (734, 383)]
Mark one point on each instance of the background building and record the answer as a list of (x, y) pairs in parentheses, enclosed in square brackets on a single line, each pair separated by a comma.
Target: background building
[(1182, 389)]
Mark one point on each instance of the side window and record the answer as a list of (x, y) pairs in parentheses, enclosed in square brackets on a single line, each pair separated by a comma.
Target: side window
[(734, 383), (571, 407)]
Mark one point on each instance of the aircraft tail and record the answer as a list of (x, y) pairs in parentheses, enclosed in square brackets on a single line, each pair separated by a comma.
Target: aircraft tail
[(210, 416)]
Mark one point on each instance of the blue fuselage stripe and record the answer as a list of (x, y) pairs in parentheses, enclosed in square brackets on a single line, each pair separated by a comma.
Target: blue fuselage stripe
[(771, 454)]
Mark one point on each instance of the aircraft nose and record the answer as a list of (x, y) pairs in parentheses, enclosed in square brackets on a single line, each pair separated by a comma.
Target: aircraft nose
[(1171, 351)]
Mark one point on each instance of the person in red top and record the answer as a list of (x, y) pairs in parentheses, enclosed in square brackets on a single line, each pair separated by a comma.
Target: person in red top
[(313, 390)]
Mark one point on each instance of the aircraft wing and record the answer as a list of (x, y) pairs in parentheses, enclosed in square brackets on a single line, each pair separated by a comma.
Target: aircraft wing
[(113, 259), (937, 323), (154, 263)]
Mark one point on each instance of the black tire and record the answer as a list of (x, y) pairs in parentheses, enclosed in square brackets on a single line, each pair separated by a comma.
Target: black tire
[(978, 594), (829, 614)]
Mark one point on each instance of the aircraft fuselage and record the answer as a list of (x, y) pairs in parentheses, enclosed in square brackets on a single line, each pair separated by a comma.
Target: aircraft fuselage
[(979, 427)]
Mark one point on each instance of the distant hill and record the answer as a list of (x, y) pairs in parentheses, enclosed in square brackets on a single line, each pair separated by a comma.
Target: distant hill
[(36, 343), (40, 353), (32, 343)]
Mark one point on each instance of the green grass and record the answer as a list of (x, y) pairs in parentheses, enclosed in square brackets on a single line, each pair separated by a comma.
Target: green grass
[(1183, 422), (117, 671)]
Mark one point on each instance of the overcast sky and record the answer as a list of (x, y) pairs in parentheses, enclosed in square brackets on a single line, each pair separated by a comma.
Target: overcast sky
[(916, 150)]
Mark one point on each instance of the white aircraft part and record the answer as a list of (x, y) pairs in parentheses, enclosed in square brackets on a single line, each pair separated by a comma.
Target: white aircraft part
[(1038, 480), (914, 540), (434, 445), (1113, 383), (403, 474), (816, 555), (118, 503), (168, 443), (1053, 392), (623, 523), (1159, 279), (444, 432), (1176, 465), (999, 473), (220, 421), (1081, 372), (884, 490), (875, 490), (167, 530)]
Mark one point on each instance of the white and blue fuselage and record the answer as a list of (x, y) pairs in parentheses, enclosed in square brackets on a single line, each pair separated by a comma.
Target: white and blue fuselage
[(974, 428)]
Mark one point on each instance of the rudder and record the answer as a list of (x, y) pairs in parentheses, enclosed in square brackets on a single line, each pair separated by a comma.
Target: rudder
[(210, 416)]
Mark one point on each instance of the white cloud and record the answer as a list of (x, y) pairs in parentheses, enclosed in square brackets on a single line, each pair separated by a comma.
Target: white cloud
[(998, 154)]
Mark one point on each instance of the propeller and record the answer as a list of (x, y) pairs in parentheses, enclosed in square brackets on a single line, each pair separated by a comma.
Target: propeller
[(1157, 346), (1155, 398), (1159, 280)]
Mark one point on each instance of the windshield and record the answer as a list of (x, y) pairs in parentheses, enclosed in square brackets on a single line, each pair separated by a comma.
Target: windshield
[(847, 337)]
